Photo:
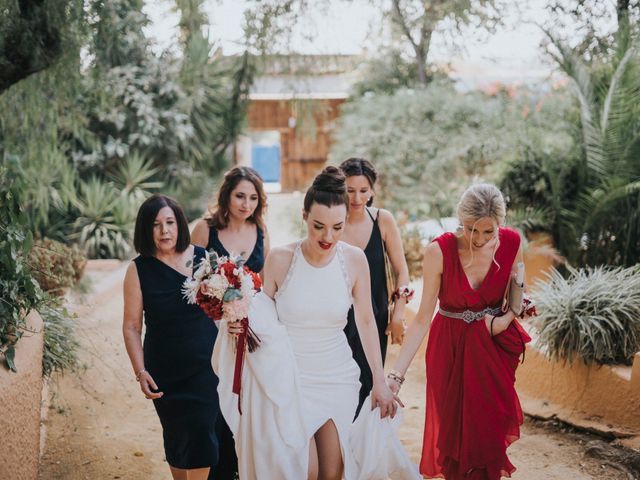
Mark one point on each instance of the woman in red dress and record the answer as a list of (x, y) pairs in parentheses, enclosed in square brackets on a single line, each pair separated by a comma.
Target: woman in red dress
[(472, 412)]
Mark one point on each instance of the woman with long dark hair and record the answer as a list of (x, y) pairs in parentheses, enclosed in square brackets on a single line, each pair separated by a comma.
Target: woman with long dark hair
[(235, 225), (374, 231)]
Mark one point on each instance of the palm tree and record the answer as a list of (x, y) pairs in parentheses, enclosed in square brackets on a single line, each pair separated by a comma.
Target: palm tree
[(603, 217)]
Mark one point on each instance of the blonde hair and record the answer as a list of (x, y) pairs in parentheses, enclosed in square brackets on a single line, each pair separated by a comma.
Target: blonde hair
[(482, 200)]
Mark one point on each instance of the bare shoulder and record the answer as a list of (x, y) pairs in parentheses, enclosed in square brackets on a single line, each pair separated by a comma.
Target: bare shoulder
[(131, 280), (433, 257), (280, 257), (353, 256), (387, 223), (132, 271), (385, 217), (283, 252), (278, 262), (200, 234)]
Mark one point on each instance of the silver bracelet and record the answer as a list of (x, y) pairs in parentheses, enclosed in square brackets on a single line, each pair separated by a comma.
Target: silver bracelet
[(140, 373)]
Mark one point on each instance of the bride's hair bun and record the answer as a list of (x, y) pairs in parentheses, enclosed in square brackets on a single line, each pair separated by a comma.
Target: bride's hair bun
[(328, 188), (331, 179)]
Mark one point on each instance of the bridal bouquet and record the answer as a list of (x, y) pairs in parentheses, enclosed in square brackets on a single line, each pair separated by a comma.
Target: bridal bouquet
[(224, 287)]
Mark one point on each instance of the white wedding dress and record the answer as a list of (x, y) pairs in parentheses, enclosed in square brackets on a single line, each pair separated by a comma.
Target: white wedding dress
[(300, 377)]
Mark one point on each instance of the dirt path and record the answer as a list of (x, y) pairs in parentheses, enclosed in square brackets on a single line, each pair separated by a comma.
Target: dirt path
[(101, 427)]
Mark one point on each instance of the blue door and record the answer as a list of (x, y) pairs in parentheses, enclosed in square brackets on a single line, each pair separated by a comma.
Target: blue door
[(265, 159)]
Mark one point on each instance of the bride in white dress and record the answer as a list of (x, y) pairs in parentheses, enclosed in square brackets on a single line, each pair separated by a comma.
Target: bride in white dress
[(301, 385)]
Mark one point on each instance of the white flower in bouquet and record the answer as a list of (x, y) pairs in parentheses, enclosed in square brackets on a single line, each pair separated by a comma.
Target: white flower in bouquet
[(190, 289), (215, 286), (246, 287)]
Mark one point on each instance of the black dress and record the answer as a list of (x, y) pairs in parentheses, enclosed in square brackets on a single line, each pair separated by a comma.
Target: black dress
[(177, 348), (227, 468), (380, 302)]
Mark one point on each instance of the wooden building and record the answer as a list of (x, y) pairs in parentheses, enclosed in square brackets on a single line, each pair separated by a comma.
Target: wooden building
[(292, 116)]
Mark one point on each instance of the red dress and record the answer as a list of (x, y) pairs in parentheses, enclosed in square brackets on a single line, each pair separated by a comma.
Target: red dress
[(473, 412)]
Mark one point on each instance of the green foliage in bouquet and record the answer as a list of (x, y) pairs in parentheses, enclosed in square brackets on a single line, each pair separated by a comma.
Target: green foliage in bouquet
[(593, 315)]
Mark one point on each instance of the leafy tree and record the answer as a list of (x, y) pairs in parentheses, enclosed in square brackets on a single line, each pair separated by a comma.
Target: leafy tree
[(416, 21), (596, 43), (427, 144), (216, 91), (34, 35)]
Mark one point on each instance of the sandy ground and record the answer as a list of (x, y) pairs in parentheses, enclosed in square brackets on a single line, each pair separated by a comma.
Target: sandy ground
[(100, 426)]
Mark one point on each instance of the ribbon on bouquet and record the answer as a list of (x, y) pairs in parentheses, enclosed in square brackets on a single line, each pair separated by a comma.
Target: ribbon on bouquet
[(247, 340)]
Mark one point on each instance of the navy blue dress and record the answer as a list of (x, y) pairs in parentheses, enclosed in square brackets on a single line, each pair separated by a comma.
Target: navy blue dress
[(380, 302), (255, 262), (177, 348), (227, 468)]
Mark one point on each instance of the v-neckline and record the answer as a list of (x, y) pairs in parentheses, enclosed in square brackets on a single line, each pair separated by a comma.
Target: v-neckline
[(487, 275), (193, 256), (226, 252)]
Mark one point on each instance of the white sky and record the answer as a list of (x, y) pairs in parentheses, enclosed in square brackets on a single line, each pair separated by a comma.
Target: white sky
[(511, 54)]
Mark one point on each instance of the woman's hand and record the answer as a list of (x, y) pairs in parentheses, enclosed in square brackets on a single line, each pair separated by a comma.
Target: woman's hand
[(500, 324), (383, 397), (394, 386), (235, 328), (396, 328), (147, 384)]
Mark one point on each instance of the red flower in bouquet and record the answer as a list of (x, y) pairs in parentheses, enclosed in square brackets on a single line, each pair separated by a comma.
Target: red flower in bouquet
[(223, 287), (211, 306)]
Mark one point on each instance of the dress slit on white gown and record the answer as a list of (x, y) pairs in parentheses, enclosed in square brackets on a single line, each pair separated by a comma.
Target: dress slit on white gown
[(301, 376), (313, 304)]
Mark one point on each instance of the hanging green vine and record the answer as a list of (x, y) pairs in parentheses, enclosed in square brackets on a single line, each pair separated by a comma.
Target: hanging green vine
[(19, 292)]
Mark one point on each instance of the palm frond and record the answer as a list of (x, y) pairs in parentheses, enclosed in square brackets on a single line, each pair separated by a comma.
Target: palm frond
[(583, 88)]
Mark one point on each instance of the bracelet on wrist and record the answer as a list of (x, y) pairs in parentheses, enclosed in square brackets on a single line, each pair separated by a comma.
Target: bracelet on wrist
[(403, 291), (396, 376), (140, 373)]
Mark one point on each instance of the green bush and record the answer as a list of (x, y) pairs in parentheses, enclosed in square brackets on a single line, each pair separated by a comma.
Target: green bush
[(426, 144), (55, 266), (60, 344), (593, 315), (19, 292)]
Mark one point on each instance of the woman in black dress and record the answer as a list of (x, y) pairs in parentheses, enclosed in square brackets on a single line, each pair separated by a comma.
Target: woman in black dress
[(235, 226), (374, 230), (174, 365)]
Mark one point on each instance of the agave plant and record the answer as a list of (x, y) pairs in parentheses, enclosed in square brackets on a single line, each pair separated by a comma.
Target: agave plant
[(593, 315), (134, 179), (606, 210), (103, 225)]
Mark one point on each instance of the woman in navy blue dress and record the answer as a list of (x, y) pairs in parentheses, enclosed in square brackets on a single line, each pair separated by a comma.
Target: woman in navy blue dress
[(235, 226), (173, 366)]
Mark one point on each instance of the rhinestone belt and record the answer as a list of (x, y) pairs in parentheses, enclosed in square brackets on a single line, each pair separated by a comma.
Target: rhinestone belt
[(470, 315)]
